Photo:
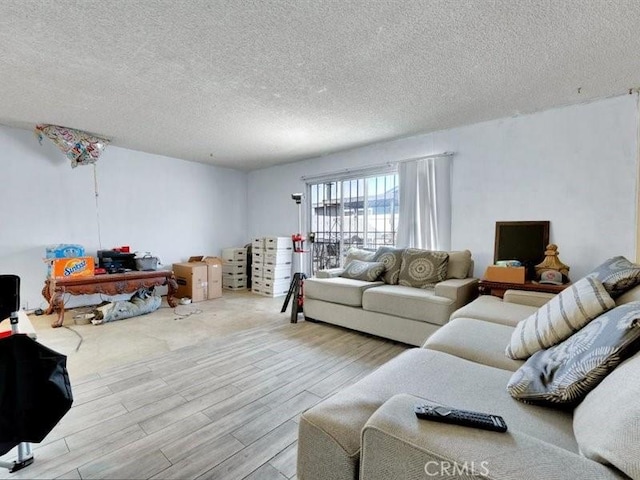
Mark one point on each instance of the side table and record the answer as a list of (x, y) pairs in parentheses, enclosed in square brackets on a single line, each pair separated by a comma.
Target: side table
[(497, 289)]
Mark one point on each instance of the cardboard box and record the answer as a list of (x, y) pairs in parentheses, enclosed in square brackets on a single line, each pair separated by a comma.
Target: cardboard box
[(201, 277), (234, 255), (257, 271), (274, 273), (256, 285), (192, 280), (64, 250), (234, 283), (257, 257), (257, 243), (214, 276), (278, 257), (278, 288), (278, 243), (238, 268), (72, 267), (505, 274)]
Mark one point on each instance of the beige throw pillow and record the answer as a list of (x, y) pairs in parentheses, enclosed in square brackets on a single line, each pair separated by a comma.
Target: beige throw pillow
[(459, 264), (559, 318)]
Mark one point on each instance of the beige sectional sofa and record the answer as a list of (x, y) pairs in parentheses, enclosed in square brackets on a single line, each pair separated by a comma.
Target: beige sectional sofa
[(398, 312), (370, 431)]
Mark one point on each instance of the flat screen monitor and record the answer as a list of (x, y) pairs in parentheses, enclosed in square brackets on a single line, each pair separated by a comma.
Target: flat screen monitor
[(522, 241)]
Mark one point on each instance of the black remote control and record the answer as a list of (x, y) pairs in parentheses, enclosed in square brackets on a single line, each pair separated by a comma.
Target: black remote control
[(461, 417)]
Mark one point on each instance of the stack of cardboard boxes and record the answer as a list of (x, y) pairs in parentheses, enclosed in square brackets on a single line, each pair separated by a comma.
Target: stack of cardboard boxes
[(200, 278), (271, 265), (234, 268), (68, 260)]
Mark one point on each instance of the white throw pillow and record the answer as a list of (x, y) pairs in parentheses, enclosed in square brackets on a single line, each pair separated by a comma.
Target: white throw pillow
[(559, 318)]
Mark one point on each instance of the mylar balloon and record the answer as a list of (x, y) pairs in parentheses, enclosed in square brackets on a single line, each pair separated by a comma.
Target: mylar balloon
[(80, 147)]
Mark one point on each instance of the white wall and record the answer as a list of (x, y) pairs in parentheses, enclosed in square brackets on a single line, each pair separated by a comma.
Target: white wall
[(170, 207), (575, 166)]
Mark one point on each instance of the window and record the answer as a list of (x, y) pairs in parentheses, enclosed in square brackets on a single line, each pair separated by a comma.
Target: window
[(360, 212)]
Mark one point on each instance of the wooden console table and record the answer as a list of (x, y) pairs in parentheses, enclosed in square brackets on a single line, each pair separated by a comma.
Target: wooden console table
[(497, 289), (108, 284)]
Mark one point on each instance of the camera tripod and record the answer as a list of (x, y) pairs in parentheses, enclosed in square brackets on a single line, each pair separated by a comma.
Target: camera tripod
[(296, 288)]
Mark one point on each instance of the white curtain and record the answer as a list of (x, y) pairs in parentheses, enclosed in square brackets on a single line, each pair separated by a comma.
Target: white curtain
[(424, 219)]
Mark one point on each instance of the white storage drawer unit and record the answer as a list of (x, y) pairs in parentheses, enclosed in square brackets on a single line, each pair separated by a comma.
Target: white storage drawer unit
[(238, 282), (234, 255), (257, 257), (237, 268), (277, 257), (278, 243), (276, 288), (276, 272)]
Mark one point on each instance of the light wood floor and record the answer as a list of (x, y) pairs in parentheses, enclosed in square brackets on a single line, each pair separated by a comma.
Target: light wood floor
[(223, 408)]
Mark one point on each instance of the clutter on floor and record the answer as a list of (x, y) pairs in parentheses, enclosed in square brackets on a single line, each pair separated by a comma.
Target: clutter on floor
[(142, 302)]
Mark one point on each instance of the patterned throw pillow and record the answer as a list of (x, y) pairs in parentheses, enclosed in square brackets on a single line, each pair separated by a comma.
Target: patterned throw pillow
[(366, 271), (565, 373), (617, 275), (358, 254), (423, 268), (559, 318), (392, 259)]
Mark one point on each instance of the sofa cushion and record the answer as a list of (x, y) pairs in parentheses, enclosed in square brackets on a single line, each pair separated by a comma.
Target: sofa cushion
[(435, 376), (495, 310), (607, 422), (337, 290), (392, 259), (422, 268), (367, 271), (397, 445), (565, 373), (358, 254), (459, 264), (475, 340), (618, 275), (559, 318), (408, 302)]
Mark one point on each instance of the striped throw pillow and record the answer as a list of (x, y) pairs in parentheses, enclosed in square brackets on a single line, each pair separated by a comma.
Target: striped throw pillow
[(565, 373), (559, 318)]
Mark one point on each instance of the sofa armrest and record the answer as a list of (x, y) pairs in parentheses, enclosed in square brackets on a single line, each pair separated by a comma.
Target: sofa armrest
[(396, 444), (532, 299), (461, 291), (329, 273)]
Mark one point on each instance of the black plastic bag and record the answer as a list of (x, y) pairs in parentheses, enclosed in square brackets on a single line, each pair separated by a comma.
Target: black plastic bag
[(35, 392)]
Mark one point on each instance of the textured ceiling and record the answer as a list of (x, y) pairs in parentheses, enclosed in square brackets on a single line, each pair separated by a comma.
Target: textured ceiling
[(248, 84)]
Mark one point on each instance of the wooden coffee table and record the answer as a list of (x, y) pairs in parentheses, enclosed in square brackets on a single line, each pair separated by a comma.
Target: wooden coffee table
[(108, 284)]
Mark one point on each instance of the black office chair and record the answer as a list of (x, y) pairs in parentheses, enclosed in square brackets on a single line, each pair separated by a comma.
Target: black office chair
[(9, 306), (35, 390), (9, 297)]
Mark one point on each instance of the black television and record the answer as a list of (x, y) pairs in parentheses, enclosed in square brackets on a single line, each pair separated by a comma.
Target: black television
[(522, 241)]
